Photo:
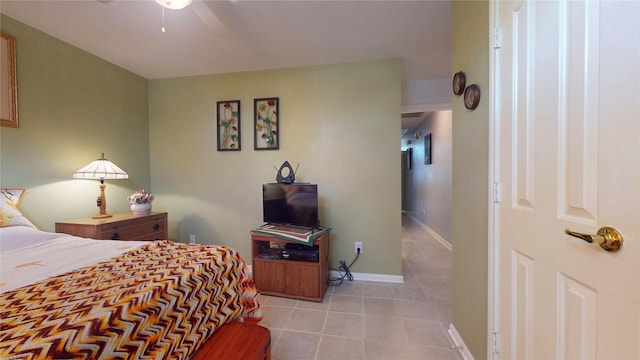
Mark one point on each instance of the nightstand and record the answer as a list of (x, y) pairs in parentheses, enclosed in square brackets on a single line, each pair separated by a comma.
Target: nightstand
[(123, 226)]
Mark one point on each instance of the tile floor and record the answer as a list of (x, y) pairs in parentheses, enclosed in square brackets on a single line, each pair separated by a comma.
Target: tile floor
[(371, 320)]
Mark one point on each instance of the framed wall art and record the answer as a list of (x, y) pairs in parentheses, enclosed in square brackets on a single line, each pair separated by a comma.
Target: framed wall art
[(266, 113), (228, 114), (8, 83), (409, 158), (427, 149)]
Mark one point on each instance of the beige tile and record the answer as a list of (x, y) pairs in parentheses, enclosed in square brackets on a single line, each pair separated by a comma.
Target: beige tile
[(414, 309), (346, 325), (423, 332), (408, 292), (420, 351), (378, 290), (280, 301), (275, 316), (383, 328), (410, 279), (352, 288), (425, 269), (306, 320), (385, 350), (435, 286), (347, 304), (314, 305), (296, 345), (380, 307), (334, 347), (366, 320), (443, 312), (275, 335)]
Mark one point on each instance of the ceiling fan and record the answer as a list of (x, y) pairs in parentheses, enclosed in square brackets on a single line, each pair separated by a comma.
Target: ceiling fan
[(199, 7), (174, 4)]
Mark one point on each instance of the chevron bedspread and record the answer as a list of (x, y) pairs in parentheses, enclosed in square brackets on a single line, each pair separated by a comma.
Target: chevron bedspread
[(159, 301)]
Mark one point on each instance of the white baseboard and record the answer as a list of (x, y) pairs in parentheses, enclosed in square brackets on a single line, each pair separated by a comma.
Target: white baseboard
[(458, 343), (396, 279), (435, 235)]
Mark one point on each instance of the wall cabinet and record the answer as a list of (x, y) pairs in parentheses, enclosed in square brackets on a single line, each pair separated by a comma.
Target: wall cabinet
[(306, 280)]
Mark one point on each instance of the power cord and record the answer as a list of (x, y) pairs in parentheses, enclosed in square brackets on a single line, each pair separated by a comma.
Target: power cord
[(337, 281)]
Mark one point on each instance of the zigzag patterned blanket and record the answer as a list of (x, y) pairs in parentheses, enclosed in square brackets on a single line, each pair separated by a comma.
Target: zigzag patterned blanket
[(160, 301)]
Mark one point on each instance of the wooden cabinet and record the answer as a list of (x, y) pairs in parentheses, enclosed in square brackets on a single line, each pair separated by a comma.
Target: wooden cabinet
[(307, 280), (123, 226)]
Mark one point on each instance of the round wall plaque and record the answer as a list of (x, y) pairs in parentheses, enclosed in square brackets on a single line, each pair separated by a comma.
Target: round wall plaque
[(459, 80), (471, 96)]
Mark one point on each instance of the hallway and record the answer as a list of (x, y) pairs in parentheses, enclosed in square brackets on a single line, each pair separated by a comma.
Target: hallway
[(370, 320)]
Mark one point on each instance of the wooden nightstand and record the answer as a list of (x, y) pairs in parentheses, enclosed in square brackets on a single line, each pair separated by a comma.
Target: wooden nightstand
[(123, 226)]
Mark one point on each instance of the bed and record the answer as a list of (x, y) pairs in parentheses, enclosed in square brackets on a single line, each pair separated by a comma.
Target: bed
[(66, 297)]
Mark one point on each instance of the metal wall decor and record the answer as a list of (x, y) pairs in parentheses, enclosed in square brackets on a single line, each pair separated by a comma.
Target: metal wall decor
[(459, 80), (266, 114), (471, 93), (228, 125), (471, 96)]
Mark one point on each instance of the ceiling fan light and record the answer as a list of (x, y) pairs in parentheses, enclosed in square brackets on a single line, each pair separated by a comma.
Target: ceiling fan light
[(174, 4)]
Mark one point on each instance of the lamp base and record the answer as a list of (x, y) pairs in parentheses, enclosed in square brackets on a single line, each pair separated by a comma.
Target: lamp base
[(100, 216)]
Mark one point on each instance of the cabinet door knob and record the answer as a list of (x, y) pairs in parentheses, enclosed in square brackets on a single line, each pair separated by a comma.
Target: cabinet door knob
[(156, 226), (115, 236)]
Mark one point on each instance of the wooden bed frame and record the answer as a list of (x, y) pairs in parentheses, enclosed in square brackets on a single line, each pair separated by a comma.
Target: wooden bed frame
[(237, 341)]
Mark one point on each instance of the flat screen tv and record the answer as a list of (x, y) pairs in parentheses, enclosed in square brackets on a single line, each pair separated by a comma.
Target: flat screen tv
[(290, 204)]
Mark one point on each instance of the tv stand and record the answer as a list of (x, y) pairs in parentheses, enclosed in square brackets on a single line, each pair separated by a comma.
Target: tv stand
[(305, 280)]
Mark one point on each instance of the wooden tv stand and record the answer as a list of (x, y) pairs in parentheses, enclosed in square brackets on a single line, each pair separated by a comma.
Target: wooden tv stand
[(306, 280)]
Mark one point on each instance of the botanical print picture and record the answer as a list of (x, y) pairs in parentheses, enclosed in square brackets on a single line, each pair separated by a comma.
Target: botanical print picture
[(228, 125), (266, 135)]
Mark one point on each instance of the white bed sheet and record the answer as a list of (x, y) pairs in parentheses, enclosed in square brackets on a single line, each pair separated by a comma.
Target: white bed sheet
[(28, 255)]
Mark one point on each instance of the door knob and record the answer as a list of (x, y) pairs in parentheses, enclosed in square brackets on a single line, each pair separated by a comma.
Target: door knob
[(608, 238)]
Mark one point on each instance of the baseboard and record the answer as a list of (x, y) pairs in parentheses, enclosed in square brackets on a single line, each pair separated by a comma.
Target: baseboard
[(435, 235), (396, 279), (458, 343)]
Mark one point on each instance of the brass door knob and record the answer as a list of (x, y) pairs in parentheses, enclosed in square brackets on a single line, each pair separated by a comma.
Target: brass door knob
[(608, 238)]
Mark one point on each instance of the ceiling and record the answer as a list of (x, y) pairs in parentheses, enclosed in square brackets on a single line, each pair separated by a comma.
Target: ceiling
[(210, 37)]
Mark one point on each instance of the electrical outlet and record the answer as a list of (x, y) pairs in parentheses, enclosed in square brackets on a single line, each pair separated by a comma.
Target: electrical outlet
[(358, 247), (192, 238)]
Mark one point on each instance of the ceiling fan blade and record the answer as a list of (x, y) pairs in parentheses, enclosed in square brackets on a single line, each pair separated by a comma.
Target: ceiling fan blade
[(207, 16)]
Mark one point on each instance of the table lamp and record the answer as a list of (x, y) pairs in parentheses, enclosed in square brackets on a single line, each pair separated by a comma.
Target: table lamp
[(101, 169)]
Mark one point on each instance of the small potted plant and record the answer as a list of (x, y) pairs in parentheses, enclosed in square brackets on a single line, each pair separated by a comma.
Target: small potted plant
[(141, 202)]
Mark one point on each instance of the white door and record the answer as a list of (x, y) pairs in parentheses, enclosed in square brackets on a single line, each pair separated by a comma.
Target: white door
[(567, 107)]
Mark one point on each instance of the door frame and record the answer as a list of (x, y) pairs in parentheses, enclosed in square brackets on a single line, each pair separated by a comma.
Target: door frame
[(493, 271)]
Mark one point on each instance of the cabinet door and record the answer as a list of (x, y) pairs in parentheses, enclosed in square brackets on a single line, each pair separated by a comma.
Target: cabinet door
[(269, 275), (302, 280)]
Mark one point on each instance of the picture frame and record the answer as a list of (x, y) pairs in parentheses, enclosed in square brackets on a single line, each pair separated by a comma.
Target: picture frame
[(266, 124), (228, 125), (9, 90), (427, 149)]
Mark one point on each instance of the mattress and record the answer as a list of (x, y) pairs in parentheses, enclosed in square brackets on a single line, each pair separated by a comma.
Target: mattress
[(65, 297)]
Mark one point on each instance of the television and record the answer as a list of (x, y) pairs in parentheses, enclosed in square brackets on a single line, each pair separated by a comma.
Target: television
[(290, 204)]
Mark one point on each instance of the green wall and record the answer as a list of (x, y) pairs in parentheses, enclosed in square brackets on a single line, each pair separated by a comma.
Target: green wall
[(471, 177), (72, 106), (338, 122)]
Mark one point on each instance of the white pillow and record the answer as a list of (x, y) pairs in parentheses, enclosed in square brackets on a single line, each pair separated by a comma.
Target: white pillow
[(9, 213)]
